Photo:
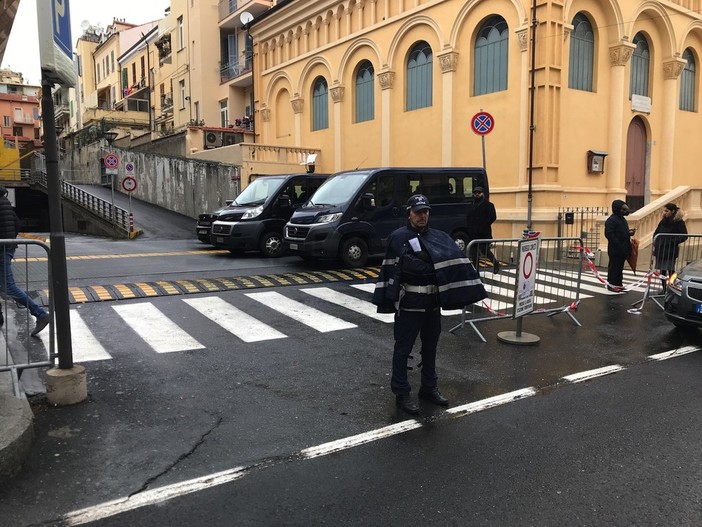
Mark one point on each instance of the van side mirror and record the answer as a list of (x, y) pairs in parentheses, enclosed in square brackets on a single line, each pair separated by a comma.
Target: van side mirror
[(368, 201), (284, 201)]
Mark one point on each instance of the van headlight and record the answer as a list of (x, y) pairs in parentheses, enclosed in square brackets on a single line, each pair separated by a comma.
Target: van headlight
[(328, 218), (252, 213)]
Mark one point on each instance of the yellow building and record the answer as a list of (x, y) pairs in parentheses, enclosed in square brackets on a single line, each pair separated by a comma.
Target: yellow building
[(397, 83)]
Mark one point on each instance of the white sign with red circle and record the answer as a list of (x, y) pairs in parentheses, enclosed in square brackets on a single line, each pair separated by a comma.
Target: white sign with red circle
[(526, 277), (111, 161), (129, 184), (482, 123)]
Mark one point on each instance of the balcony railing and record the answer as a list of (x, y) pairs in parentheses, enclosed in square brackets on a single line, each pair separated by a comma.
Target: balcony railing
[(166, 102), (226, 8), (232, 70), (26, 118)]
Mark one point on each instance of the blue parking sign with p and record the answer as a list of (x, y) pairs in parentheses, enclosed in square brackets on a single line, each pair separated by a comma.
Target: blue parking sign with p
[(61, 16)]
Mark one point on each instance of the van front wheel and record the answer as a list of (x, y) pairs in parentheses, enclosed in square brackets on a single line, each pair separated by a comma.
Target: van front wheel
[(271, 245), (354, 252)]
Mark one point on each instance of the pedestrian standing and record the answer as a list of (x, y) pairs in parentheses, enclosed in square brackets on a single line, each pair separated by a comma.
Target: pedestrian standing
[(422, 272), (9, 228), (618, 236), (481, 215), (665, 248)]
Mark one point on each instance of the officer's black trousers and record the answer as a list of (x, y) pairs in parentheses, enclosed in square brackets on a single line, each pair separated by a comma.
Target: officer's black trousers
[(408, 325)]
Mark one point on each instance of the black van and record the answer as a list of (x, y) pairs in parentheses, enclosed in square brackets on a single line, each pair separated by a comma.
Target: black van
[(353, 213), (256, 218), (203, 228)]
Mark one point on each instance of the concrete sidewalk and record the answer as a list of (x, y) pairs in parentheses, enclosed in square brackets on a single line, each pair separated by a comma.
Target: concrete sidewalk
[(17, 431)]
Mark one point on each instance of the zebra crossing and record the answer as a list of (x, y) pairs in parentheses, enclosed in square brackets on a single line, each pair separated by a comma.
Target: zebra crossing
[(152, 322)]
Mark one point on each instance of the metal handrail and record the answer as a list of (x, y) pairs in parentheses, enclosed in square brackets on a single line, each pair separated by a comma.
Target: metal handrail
[(118, 216)]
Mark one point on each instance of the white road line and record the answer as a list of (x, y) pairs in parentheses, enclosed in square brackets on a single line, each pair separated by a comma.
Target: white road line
[(349, 302), (491, 402), (591, 374), (84, 345), (368, 287), (151, 497), (674, 353), (243, 325), (298, 311), (162, 334)]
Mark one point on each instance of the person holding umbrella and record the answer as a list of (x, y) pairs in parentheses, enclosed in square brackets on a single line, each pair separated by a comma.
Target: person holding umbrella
[(619, 246)]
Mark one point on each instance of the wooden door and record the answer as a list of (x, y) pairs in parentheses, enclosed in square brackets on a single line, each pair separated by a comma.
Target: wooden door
[(635, 179)]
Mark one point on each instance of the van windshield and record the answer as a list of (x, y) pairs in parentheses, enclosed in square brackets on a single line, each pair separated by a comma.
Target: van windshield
[(338, 189), (258, 192)]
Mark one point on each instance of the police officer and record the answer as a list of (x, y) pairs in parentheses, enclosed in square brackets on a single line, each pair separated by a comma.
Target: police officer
[(423, 270)]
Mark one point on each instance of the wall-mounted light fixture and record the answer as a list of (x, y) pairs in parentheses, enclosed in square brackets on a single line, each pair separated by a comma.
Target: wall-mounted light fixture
[(595, 161)]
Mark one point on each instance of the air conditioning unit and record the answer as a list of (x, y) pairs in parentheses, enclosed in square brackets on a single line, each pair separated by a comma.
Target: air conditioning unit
[(232, 138), (213, 139)]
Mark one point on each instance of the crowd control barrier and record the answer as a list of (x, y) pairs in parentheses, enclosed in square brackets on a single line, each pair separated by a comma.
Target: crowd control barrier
[(558, 279), (669, 254), (21, 351)]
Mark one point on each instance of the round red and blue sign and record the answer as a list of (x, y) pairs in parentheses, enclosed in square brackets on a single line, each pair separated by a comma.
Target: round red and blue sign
[(482, 123)]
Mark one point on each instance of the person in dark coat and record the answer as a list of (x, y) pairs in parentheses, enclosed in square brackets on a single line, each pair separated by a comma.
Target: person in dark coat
[(665, 248), (422, 272), (618, 236), (481, 215), (9, 227)]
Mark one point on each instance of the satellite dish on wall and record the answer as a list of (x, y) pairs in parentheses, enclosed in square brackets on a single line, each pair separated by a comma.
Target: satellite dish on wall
[(246, 17), (85, 24)]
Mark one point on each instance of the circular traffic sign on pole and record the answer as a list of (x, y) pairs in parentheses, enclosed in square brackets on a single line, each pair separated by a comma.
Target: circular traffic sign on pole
[(129, 184), (129, 168), (111, 161), (482, 123)]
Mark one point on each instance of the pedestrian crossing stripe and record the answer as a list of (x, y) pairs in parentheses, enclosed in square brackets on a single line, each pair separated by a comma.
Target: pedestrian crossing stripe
[(164, 334)]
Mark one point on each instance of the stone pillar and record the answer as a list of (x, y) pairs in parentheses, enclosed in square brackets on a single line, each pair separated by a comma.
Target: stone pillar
[(448, 60), (297, 103), (671, 71), (619, 55), (386, 78), (337, 95)]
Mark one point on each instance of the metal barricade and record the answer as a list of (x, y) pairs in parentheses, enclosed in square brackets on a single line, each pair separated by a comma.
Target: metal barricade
[(31, 271), (558, 279), (670, 253)]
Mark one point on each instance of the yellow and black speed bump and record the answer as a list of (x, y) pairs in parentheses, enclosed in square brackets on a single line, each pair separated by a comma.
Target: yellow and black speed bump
[(101, 293)]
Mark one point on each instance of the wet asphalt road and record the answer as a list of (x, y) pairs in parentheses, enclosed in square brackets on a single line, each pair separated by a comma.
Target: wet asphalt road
[(622, 449)]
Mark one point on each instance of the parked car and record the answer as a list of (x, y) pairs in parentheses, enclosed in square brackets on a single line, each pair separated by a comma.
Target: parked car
[(256, 218), (683, 296), (351, 216), (203, 229)]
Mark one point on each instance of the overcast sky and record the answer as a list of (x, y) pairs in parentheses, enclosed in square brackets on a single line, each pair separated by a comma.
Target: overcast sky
[(22, 53)]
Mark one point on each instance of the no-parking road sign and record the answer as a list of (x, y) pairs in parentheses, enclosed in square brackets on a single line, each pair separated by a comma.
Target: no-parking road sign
[(482, 123), (129, 168), (129, 184), (111, 161)]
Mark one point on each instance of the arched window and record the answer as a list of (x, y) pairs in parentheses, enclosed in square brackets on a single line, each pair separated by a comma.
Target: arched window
[(638, 83), (419, 77), (491, 56), (320, 104), (365, 96), (582, 54), (687, 82)]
